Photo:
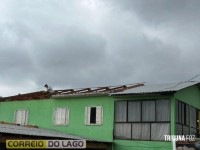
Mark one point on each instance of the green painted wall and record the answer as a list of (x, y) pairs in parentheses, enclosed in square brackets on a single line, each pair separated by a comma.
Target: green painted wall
[(190, 95), (39, 111), (40, 114), (141, 145)]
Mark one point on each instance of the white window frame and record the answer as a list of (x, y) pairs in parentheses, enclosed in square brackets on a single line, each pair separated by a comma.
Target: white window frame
[(66, 116), (87, 115), (26, 116)]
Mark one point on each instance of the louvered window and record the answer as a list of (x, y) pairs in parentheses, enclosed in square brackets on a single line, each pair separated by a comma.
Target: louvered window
[(61, 116), (21, 116)]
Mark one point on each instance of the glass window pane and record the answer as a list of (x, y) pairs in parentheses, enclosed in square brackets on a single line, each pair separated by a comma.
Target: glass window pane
[(179, 129), (186, 130), (158, 130), (136, 131), (176, 111), (145, 131), (141, 131), (162, 110), (179, 112), (193, 117), (122, 130), (93, 115), (193, 131), (187, 115), (148, 111), (134, 111), (120, 111), (183, 113)]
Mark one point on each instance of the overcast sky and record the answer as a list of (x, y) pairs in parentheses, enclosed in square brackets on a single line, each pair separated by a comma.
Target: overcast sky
[(89, 43)]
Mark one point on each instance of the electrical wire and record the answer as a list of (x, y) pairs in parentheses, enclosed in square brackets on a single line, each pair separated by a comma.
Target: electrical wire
[(194, 77)]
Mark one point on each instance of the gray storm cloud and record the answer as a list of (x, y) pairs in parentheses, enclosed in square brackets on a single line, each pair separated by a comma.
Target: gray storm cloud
[(94, 43)]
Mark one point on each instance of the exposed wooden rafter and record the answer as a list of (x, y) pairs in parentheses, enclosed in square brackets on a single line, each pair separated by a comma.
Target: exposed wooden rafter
[(46, 95)]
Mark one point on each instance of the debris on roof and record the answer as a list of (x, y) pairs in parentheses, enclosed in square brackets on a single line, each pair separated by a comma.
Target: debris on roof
[(10, 123), (28, 96), (2, 122), (92, 90), (106, 89), (137, 88), (48, 88)]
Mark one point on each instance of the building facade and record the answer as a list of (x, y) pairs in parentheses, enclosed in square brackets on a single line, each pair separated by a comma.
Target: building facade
[(130, 117)]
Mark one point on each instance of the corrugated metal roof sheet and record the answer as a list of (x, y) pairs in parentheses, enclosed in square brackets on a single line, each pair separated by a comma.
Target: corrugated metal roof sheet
[(16, 129), (158, 88), (41, 132)]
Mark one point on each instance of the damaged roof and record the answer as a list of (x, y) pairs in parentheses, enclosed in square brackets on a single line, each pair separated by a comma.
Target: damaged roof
[(28, 96), (136, 88), (72, 92)]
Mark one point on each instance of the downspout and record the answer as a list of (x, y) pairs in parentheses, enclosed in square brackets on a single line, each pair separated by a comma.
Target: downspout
[(173, 143)]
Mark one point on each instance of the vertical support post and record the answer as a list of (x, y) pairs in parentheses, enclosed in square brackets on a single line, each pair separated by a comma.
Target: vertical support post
[(172, 115), (173, 120)]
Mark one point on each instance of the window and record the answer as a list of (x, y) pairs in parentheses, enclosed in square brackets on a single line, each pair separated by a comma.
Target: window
[(193, 120), (162, 110), (142, 120), (148, 110), (21, 116), (134, 108), (193, 117), (158, 130), (121, 113), (122, 130), (93, 115), (141, 131), (61, 116), (186, 119)]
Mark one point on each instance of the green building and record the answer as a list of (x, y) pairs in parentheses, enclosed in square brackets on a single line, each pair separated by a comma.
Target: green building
[(128, 117)]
